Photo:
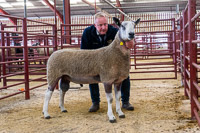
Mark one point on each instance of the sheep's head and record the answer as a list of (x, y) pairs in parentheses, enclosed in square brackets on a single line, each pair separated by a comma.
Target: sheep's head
[(36, 44), (126, 29)]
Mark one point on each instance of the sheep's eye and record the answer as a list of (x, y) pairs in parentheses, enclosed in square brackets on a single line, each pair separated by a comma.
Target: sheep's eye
[(123, 27)]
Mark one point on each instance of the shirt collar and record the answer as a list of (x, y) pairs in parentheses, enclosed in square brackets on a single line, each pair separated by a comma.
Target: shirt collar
[(97, 33)]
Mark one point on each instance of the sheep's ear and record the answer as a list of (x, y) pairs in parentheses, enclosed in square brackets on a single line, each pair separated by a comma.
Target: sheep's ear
[(37, 44), (137, 21), (117, 22)]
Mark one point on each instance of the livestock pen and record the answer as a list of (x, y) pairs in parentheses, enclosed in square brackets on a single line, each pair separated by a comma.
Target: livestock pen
[(24, 64), (189, 56), (153, 44)]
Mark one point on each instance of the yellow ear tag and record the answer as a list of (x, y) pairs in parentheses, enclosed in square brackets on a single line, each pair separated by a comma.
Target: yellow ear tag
[(121, 43)]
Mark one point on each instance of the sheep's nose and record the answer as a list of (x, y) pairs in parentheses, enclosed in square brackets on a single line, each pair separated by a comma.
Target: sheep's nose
[(131, 34)]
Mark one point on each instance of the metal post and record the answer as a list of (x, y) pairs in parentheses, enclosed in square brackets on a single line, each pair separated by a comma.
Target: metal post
[(174, 47), (55, 28), (25, 13), (67, 20), (185, 52), (3, 56), (25, 54), (181, 50), (135, 48), (193, 55), (95, 6), (63, 40)]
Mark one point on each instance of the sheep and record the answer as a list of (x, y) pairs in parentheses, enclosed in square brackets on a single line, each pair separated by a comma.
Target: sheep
[(108, 65), (42, 51)]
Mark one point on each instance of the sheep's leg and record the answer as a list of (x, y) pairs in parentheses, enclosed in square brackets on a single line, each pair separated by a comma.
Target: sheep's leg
[(118, 97), (61, 105), (64, 86), (47, 98), (109, 96)]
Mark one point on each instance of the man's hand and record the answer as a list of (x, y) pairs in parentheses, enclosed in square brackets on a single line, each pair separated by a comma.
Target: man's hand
[(130, 44)]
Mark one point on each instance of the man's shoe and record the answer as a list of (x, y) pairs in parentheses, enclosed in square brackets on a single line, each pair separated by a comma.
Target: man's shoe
[(94, 107), (127, 106)]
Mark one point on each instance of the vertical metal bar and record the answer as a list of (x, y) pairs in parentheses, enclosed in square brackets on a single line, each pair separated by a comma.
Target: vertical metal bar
[(62, 33), (151, 45), (25, 13), (25, 54), (55, 28), (63, 40), (135, 48), (185, 52), (174, 46), (8, 50), (95, 6), (3, 56), (55, 17), (54, 38), (181, 50), (64, 11), (193, 55), (55, 32), (47, 42), (68, 20), (178, 46)]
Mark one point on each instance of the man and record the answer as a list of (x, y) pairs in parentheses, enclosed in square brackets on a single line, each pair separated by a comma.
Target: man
[(96, 36)]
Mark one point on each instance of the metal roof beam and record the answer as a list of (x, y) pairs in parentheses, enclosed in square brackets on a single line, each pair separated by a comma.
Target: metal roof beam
[(13, 20), (96, 7), (117, 9), (119, 5), (60, 16)]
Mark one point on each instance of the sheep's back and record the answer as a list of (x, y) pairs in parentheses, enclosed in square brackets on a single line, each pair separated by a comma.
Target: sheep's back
[(73, 62)]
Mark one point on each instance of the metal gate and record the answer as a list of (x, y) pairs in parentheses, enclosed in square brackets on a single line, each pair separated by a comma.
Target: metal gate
[(154, 51)]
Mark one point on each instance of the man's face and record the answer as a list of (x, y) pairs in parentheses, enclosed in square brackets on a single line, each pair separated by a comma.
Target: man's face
[(101, 25)]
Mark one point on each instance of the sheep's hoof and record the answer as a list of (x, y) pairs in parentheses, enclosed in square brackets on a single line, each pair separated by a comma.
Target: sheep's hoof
[(47, 117), (122, 116), (64, 110), (113, 121)]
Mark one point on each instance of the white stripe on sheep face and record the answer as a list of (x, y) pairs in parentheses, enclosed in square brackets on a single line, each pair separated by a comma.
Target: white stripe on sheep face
[(108, 65)]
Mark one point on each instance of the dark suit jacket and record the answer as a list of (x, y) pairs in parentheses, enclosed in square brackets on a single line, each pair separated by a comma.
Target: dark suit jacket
[(90, 39)]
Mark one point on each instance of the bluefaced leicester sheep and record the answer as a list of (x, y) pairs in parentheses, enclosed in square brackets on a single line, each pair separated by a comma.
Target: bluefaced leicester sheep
[(42, 51), (108, 65)]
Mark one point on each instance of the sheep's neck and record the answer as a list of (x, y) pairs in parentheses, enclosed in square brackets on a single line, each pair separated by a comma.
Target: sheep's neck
[(119, 42), (122, 48), (120, 38)]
